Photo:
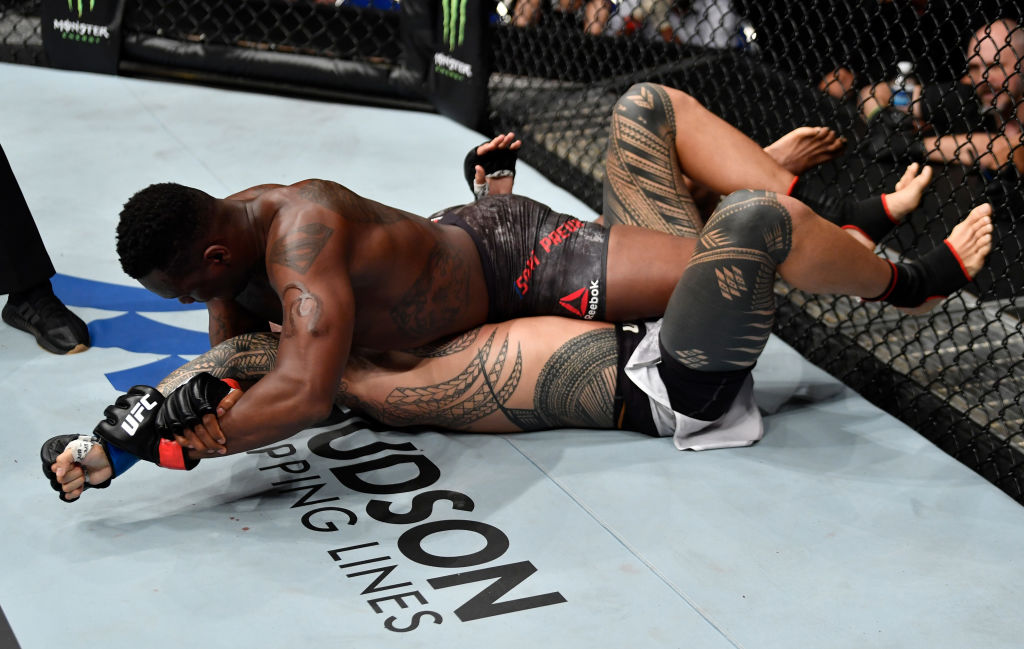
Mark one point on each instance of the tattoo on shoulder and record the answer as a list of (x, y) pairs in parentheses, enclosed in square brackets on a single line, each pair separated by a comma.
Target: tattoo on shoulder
[(299, 248)]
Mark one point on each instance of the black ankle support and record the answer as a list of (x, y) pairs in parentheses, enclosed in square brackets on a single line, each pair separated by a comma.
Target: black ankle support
[(870, 215), (936, 274)]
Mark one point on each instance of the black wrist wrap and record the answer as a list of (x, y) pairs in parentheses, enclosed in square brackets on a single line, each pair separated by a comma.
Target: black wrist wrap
[(493, 162)]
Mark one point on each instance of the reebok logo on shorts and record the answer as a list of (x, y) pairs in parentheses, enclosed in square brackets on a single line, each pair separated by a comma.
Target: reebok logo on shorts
[(583, 302)]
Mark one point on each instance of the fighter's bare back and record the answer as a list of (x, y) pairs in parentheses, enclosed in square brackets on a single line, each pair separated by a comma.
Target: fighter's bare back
[(413, 281)]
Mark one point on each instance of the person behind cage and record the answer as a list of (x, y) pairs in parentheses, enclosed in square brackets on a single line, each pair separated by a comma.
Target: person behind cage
[(977, 121)]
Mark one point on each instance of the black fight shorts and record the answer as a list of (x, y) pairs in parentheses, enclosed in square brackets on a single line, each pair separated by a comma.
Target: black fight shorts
[(536, 261), (632, 405)]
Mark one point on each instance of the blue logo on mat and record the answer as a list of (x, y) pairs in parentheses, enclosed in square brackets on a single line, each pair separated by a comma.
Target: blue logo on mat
[(130, 330)]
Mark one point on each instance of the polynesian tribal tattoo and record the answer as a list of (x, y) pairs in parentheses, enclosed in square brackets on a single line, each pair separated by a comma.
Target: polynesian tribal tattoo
[(473, 393), (740, 260), (576, 388), (246, 358), (643, 181), (577, 385)]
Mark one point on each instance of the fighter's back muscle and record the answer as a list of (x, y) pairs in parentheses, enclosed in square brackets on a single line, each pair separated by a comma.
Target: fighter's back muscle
[(412, 280)]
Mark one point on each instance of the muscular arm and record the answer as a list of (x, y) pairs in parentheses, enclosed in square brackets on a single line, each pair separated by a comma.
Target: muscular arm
[(305, 266)]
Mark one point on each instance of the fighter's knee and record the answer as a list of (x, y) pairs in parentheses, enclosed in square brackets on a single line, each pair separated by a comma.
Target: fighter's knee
[(754, 219), (645, 100), (643, 87)]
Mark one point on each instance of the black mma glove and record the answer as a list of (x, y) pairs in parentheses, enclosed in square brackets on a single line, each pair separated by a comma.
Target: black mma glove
[(185, 407), (891, 137), (56, 445), (130, 425), (497, 163)]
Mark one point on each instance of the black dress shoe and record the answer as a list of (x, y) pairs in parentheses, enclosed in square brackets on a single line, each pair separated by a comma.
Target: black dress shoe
[(40, 313)]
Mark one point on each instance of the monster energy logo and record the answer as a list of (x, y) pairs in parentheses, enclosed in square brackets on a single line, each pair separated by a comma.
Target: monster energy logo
[(73, 30), (454, 16), (92, 5)]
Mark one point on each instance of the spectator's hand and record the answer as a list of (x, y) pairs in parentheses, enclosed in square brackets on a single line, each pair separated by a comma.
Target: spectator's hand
[(838, 83), (874, 98), (892, 137)]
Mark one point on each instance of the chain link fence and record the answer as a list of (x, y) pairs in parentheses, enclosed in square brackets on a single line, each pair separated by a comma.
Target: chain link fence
[(767, 67)]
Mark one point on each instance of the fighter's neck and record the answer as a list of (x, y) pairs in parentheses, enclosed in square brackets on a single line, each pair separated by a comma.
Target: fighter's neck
[(255, 228)]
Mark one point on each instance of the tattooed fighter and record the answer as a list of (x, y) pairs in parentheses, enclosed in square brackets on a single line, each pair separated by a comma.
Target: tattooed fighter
[(338, 271), (686, 376)]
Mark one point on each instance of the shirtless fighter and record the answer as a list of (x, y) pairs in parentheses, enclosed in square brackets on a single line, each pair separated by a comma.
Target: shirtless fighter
[(686, 376), (340, 272)]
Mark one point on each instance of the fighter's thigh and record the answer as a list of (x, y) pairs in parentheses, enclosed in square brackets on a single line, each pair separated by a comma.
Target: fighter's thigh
[(643, 269), (644, 184)]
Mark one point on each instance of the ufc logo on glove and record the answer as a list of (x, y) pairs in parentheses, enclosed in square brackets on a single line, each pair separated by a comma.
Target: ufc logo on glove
[(137, 416)]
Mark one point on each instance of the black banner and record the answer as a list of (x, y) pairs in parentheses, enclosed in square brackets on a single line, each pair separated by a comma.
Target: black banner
[(83, 35), (461, 63)]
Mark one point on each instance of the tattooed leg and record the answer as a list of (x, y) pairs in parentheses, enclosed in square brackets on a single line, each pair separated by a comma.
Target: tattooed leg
[(644, 182), (659, 137), (577, 385), (486, 381), (246, 358), (721, 313)]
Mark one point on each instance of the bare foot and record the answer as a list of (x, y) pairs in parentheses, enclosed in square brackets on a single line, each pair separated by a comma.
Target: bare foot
[(972, 238), (972, 241), (805, 147), (909, 190), (900, 202)]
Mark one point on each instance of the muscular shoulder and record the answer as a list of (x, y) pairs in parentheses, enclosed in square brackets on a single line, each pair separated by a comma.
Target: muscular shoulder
[(253, 192), (345, 203)]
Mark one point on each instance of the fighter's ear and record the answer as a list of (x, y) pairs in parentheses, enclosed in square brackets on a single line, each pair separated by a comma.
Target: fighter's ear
[(217, 254)]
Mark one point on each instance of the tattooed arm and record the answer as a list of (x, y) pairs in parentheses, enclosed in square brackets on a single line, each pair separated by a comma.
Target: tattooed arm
[(305, 265)]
